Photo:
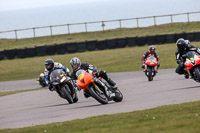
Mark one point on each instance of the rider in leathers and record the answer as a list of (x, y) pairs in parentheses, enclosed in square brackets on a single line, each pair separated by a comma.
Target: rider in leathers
[(50, 65), (183, 46), (77, 65), (151, 51)]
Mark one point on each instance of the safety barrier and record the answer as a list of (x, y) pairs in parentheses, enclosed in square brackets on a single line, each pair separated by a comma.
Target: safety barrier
[(96, 45)]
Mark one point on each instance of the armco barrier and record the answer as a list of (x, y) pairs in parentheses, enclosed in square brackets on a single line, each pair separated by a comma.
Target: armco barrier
[(40, 50), (2, 56), (9, 54), (20, 53), (91, 45), (151, 40), (101, 45), (121, 43), (71, 47), (132, 41), (61, 48), (30, 52), (50, 49)]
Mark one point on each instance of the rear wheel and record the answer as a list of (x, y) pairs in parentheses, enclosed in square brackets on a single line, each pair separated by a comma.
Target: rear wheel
[(97, 94), (197, 73), (118, 96), (65, 92)]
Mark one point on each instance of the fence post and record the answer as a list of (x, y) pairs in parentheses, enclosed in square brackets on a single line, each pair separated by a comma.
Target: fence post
[(154, 20), (68, 29), (103, 25), (16, 34), (188, 17), (120, 24), (171, 18), (137, 19), (51, 30), (34, 32), (85, 27)]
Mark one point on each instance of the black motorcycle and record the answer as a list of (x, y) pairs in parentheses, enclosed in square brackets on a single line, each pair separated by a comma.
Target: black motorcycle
[(63, 85)]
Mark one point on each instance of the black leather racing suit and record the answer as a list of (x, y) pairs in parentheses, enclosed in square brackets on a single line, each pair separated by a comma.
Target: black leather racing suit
[(181, 60)]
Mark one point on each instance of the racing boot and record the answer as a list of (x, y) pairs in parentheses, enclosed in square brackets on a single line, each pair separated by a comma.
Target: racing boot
[(112, 83), (186, 75), (86, 95)]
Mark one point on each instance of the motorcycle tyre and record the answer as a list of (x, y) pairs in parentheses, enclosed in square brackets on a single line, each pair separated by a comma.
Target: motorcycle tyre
[(97, 96), (150, 77), (66, 94), (197, 72), (118, 96)]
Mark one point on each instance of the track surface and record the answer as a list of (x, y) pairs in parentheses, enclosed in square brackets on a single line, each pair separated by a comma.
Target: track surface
[(43, 106)]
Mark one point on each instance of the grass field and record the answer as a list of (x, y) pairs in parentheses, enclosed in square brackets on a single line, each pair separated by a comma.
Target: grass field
[(180, 118), (115, 60), (108, 34)]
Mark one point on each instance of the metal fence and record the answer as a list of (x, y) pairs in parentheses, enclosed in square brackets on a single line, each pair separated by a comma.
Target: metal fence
[(103, 25)]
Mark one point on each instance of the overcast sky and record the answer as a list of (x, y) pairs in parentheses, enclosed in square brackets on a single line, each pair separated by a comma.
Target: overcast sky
[(22, 4)]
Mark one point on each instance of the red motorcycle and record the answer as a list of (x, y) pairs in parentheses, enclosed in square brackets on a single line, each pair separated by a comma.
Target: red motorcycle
[(151, 67), (192, 65)]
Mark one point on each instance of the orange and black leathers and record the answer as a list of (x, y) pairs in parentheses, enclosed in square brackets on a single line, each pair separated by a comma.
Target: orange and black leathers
[(146, 54)]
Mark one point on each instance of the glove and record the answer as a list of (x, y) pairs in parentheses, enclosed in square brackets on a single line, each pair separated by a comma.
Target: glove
[(143, 65)]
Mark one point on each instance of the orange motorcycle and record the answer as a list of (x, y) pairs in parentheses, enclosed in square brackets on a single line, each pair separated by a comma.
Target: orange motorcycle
[(151, 67), (97, 88)]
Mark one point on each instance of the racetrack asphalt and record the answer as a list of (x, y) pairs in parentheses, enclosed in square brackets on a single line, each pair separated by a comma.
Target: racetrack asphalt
[(42, 106)]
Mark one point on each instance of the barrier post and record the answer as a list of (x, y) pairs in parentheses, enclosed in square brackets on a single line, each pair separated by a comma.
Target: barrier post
[(16, 34)]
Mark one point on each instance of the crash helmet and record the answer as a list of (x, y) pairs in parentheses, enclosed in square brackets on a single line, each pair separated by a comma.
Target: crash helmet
[(49, 64), (152, 49), (75, 63), (181, 43), (41, 74)]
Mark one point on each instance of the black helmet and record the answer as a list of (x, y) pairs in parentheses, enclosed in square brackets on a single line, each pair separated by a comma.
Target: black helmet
[(181, 44), (49, 64), (75, 63), (152, 49)]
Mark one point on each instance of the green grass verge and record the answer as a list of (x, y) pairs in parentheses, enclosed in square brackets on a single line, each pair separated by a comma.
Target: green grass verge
[(108, 34), (18, 91), (115, 60), (179, 118)]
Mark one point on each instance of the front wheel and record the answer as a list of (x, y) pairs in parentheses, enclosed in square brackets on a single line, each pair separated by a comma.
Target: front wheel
[(197, 73), (97, 94), (150, 77), (118, 96), (65, 92)]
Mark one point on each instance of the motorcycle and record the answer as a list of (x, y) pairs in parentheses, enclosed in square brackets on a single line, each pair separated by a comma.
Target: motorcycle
[(63, 85), (41, 80), (97, 88), (192, 65), (151, 67)]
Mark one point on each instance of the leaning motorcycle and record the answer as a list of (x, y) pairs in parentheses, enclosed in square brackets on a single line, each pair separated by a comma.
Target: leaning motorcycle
[(63, 85), (192, 65), (151, 67), (41, 80), (97, 88)]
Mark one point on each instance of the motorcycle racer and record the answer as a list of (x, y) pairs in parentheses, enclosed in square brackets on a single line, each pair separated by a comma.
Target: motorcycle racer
[(77, 65), (151, 51), (50, 65), (183, 46)]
